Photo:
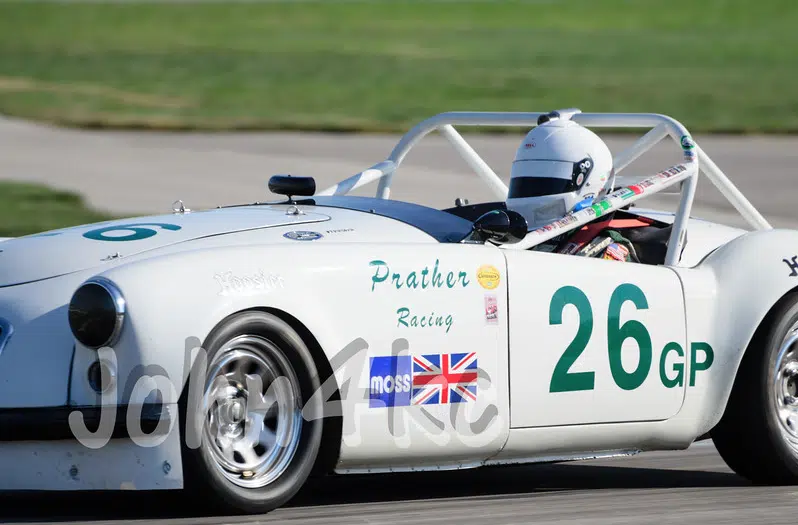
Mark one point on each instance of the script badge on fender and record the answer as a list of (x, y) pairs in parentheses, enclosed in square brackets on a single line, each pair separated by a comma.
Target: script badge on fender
[(488, 277)]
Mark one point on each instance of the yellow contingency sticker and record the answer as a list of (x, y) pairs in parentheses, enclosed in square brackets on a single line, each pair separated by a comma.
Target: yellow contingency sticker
[(488, 277)]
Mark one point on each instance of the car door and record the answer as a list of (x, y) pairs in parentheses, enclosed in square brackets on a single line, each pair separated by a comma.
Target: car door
[(593, 341)]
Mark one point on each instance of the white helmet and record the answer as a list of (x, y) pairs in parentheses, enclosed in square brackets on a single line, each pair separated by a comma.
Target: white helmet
[(559, 165)]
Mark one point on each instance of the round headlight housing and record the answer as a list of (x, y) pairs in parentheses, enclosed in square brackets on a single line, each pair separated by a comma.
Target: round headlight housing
[(96, 313)]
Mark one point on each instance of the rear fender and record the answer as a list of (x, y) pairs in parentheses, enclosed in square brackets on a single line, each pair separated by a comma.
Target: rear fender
[(729, 295)]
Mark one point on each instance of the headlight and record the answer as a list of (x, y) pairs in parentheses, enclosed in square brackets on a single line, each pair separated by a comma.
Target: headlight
[(96, 313)]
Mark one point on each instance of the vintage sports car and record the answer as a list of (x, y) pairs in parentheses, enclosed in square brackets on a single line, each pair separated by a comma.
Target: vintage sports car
[(237, 351)]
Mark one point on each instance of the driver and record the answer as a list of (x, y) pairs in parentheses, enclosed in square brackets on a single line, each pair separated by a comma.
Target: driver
[(561, 167)]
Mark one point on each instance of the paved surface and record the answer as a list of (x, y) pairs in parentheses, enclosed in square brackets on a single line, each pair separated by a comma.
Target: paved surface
[(131, 172), (136, 173), (686, 487)]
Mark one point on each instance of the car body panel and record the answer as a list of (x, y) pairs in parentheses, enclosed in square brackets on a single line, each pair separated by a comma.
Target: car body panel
[(703, 236), (35, 363), (569, 362), (382, 324), (725, 303), (70, 465), (197, 283), (728, 296), (69, 250), (42, 341)]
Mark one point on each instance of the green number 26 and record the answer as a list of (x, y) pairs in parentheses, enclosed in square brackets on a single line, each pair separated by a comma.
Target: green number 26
[(562, 380)]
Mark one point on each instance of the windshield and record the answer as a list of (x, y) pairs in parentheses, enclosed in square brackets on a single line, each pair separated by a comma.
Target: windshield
[(443, 226)]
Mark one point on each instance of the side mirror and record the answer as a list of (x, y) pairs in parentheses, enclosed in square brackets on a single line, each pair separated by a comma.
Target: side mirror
[(290, 186), (501, 226)]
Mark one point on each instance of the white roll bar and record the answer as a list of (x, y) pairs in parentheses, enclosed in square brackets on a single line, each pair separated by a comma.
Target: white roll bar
[(475, 161), (660, 126)]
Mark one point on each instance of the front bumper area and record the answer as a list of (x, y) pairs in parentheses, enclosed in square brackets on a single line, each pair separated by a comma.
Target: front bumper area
[(44, 454), (52, 423)]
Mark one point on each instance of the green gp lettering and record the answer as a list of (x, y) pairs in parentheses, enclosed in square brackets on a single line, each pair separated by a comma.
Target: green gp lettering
[(677, 366), (671, 376), (562, 380), (695, 366), (617, 334), (137, 233)]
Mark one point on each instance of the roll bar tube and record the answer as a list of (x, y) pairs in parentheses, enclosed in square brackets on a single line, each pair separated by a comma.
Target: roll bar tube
[(660, 126)]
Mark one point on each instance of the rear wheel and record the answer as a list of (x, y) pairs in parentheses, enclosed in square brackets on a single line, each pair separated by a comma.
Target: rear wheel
[(255, 448), (758, 434)]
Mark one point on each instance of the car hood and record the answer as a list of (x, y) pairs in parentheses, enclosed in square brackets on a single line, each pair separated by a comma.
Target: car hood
[(60, 252)]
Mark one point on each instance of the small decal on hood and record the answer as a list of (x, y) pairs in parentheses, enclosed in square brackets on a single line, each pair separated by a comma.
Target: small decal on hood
[(303, 236)]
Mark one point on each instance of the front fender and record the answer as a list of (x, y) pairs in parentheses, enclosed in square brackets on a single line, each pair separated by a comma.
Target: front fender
[(174, 301), (433, 303)]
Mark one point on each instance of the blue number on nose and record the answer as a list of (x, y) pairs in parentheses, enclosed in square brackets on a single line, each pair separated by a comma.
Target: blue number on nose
[(136, 231)]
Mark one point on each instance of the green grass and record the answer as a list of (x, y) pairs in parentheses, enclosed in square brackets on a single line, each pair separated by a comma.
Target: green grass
[(716, 65), (29, 208)]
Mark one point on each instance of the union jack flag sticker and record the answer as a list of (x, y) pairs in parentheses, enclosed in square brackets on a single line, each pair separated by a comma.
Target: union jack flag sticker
[(444, 378)]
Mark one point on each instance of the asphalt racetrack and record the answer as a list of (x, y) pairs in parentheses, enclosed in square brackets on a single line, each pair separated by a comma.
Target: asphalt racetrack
[(691, 486), (129, 173)]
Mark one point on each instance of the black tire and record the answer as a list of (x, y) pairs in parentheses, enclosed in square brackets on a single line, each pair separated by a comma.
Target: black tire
[(750, 436), (205, 479)]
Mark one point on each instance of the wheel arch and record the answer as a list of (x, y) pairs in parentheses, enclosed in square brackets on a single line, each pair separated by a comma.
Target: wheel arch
[(188, 284), (332, 432), (732, 298), (762, 328)]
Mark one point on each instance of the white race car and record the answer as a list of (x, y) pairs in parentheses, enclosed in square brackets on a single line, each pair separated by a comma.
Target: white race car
[(237, 351)]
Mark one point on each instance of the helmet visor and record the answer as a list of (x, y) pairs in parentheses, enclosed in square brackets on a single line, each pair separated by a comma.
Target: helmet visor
[(539, 178), (521, 187)]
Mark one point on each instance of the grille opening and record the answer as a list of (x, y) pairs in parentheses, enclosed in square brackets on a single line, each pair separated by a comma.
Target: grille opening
[(6, 331)]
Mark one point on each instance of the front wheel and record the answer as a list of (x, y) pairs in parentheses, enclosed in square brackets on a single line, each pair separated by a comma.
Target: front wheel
[(255, 448), (758, 434)]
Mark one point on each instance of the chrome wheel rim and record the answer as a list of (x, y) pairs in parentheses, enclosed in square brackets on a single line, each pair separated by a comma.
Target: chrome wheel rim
[(251, 402), (785, 385)]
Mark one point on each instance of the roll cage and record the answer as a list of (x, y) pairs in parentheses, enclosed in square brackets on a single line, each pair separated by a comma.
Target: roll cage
[(660, 126)]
